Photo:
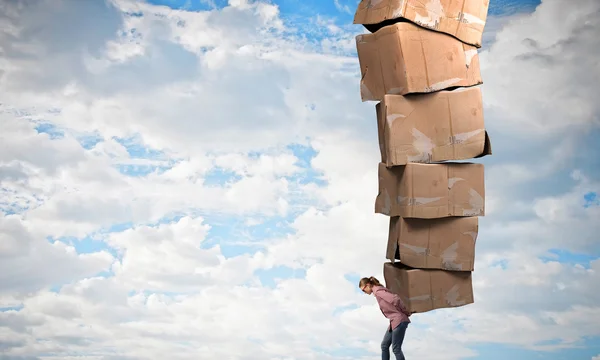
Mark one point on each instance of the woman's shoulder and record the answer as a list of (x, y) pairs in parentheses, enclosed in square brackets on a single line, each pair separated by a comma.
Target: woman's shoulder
[(378, 288)]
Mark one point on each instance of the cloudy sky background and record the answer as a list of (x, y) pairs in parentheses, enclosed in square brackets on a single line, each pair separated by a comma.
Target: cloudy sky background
[(196, 180)]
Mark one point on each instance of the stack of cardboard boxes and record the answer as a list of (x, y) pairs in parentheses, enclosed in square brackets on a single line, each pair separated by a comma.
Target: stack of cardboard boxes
[(420, 62)]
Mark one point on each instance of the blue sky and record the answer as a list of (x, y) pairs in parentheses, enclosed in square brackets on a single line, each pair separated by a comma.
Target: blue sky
[(93, 151), (341, 9)]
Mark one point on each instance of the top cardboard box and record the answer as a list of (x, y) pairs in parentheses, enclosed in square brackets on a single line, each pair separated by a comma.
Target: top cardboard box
[(463, 19), (404, 58)]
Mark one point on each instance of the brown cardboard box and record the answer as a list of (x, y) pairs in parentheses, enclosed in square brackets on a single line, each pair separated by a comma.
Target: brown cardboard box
[(447, 244), (446, 125), (404, 58), (463, 19), (426, 290), (430, 191)]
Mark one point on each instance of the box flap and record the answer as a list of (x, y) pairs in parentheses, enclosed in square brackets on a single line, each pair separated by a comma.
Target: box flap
[(487, 149)]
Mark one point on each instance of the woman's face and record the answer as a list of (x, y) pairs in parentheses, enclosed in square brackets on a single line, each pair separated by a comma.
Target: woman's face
[(367, 289)]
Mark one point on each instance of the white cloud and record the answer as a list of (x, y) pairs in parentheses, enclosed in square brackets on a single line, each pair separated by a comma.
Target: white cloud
[(552, 56), (34, 46), (342, 7), (265, 165), (30, 262), (171, 258), (177, 93), (36, 149), (547, 224), (211, 90)]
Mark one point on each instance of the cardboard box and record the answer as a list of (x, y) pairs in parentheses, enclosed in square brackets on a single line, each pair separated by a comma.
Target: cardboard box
[(446, 244), (446, 125), (430, 191), (463, 19), (404, 58), (426, 290)]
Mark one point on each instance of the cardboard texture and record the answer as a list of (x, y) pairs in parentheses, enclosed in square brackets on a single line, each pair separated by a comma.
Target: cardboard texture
[(463, 19), (404, 58), (446, 125), (430, 191), (426, 290), (446, 244)]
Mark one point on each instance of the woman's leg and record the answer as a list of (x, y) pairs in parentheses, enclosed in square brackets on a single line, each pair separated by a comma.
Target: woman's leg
[(385, 345), (397, 339)]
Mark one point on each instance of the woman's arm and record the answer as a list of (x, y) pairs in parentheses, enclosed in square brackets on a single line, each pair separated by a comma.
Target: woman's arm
[(393, 299), (400, 305)]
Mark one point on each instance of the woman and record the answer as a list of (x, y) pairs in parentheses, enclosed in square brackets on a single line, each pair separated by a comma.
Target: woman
[(392, 308)]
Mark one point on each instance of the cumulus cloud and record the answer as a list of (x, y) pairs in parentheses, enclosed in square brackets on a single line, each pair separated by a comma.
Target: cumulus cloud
[(226, 92), (172, 258), (31, 262), (35, 47), (187, 60), (541, 74)]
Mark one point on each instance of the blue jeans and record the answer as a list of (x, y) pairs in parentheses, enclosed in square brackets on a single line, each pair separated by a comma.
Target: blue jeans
[(395, 339)]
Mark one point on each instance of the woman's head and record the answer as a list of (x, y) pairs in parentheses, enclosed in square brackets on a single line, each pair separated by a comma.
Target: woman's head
[(366, 284)]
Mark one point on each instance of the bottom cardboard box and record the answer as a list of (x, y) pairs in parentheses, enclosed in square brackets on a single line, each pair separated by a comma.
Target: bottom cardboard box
[(424, 290)]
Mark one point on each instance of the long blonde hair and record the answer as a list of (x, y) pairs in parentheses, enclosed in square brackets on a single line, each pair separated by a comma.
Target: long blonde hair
[(369, 281)]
